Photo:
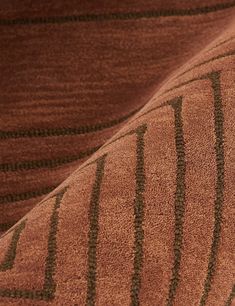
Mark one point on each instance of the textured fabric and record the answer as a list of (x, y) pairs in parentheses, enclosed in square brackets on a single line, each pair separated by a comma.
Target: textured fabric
[(117, 153)]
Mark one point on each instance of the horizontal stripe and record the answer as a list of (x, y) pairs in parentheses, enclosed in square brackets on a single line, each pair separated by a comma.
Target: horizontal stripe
[(65, 131), (45, 163), (11, 198), (224, 55), (101, 126), (117, 16)]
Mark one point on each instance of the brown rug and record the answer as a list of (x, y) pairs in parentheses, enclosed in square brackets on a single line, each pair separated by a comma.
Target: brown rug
[(117, 153)]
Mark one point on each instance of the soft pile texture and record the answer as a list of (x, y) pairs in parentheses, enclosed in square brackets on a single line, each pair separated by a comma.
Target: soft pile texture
[(117, 153)]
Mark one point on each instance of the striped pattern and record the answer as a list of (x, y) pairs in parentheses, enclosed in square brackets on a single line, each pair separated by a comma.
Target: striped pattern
[(93, 233), (179, 196), (49, 125), (144, 209), (118, 16)]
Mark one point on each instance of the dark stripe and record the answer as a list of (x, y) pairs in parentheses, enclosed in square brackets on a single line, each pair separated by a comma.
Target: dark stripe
[(9, 230), (231, 297), (22, 294), (166, 103), (5, 226), (221, 43), (32, 194), (219, 189), (45, 163), (49, 286), (139, 215), (93, 232), (9, 258), (11, 198), (131, 132), (117, 16), (183, 84), (98, 127), (65, 131), (224, 55), (179, 197)]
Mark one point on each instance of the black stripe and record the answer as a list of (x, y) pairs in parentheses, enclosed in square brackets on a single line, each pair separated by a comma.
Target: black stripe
[(166, 103), (49, 287), (11, 198), (9, 258), (93, 231), (139, 215), (219, 189), (224, 55), (183, 84), (221, 43), (179, 197), (65, 131), (45, 163), (117, 16), (98, 127), (231, 297)]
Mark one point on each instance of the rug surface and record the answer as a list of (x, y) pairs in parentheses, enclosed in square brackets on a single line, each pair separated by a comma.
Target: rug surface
[(117, 153)]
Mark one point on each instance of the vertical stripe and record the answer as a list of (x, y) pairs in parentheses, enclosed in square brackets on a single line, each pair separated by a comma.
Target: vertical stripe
[(179, 196), (219, 188), (93, 231), (49, 286), (139, 215), (9, 259), (231, 297), (200, 176)]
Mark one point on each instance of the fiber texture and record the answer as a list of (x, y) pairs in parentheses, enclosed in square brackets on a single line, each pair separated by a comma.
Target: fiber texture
[(117, 153)]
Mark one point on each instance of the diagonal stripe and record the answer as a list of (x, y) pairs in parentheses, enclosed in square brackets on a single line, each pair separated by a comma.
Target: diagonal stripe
[(217, 57), (201, 77), (45, 163), (139, 216), (65, 131), (93, 231), (179, 197), (9, 258), (11, 198), (219, 188), (219, 44), (117, 16), (49, 286), (231, 297)]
